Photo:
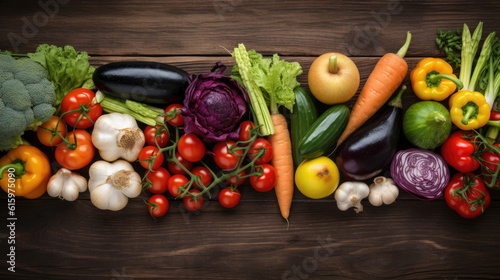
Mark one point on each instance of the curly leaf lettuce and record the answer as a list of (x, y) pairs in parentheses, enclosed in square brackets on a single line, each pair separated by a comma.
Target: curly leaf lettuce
[(67, 68)]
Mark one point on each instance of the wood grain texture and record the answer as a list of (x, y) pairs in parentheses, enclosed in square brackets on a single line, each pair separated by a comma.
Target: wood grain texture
[(410, 239)]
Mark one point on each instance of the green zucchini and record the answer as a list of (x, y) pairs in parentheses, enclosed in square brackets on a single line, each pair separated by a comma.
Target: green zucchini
[(322, 136), (303, 115)]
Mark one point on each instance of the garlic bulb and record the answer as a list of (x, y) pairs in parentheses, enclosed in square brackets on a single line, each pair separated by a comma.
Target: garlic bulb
[(349, 194), (112, 184), (66, 185), (117, 136), (383, 191)]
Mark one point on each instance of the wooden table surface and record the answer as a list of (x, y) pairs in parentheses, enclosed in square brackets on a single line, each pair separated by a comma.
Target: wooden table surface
[(410, 239)]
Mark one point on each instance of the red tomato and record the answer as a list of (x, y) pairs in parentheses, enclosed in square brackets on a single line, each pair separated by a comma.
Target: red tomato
[(261, 145), (245, 128), (191, 147), (490, 161), (78, 108), (158, 205), (160, 132), (266, 181), (467, 195), (173, 115), (175, 182), (150, 158), (49, 133), (227, 155), (191, 202), (238, 180), (205, 176), (79, 153), (229, 198), (159, 179), (177, 169)]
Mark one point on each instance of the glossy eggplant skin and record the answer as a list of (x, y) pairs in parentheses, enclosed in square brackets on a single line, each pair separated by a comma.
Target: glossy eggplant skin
[(366, 152), (142, 81)]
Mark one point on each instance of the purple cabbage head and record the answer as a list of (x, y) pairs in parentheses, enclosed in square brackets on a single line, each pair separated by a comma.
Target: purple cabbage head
[(213, 106)]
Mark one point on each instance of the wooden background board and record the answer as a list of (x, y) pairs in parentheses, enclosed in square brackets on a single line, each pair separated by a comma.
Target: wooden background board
[(410, 239)]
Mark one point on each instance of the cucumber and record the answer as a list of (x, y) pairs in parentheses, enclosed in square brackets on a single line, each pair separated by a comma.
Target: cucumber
[(322, 136), (302, 117), (142, 81)]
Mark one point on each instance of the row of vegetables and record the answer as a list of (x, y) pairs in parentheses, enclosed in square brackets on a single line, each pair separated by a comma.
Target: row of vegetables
[(151, 128)]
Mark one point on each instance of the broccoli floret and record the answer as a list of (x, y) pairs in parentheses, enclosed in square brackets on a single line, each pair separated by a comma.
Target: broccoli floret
[(37, 92), (15, 95), (30, 72), (27, 99), (43, 112)]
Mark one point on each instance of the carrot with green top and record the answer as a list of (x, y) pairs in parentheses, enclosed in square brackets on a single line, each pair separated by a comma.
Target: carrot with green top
[(269, 83), (386, 77)]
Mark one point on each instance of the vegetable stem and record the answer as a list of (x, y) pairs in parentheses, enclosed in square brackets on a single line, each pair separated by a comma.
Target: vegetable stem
[(470, 45), (17, 165), (470, 111), (140, 112), (396, 100), (435, 79), (333, 66), (402, 52)]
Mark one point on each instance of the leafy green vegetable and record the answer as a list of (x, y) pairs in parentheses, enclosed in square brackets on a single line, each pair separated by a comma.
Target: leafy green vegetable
[(266, 79), (450, 43), (67, 68)]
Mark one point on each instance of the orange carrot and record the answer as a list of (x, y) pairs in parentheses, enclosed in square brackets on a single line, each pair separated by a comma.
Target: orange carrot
[(283, 163), (385, 78)]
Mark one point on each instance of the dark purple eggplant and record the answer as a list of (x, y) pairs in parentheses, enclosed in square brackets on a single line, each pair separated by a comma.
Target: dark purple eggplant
[(370, 149), (142, 81)]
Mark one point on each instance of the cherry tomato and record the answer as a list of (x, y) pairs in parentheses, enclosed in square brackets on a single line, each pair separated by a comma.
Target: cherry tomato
[(229, 198), (176, 169), (160, 132), (191, 147), (85, 113), (159, 179), (79, 153), (490, 161), (261, 144), (176, 120), (158, 205), (150, 155), (47, 133), (226, 155), (205, 176), (238, 180), (245, 128), (175, 182), (191, 202), (266, 181)]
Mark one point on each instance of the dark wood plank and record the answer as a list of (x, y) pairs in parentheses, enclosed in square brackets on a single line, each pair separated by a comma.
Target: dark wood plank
[(75, 240), (357, 28)]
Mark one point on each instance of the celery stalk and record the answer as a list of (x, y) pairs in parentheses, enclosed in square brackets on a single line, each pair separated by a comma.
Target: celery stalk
[(257, 101), (482, 61), (470, 45)]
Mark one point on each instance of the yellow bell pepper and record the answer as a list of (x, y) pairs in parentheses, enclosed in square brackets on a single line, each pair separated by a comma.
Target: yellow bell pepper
[(469, 110), (433, 79), (25, 171)]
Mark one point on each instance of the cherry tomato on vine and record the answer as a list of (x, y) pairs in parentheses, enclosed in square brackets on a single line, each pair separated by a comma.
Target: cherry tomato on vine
[(191, 147), (245, 128), (258, 146), (173, 115), (238, 180), (157, 205), (79, 153), (159, 179), (46, 132), (227, 155), (78, 108), (229, 198), (175, 182), (150, 154), (205, 176), (161, 133), (191, 203), (177, 169), (467, 195), (266, 181), (490, 161)]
